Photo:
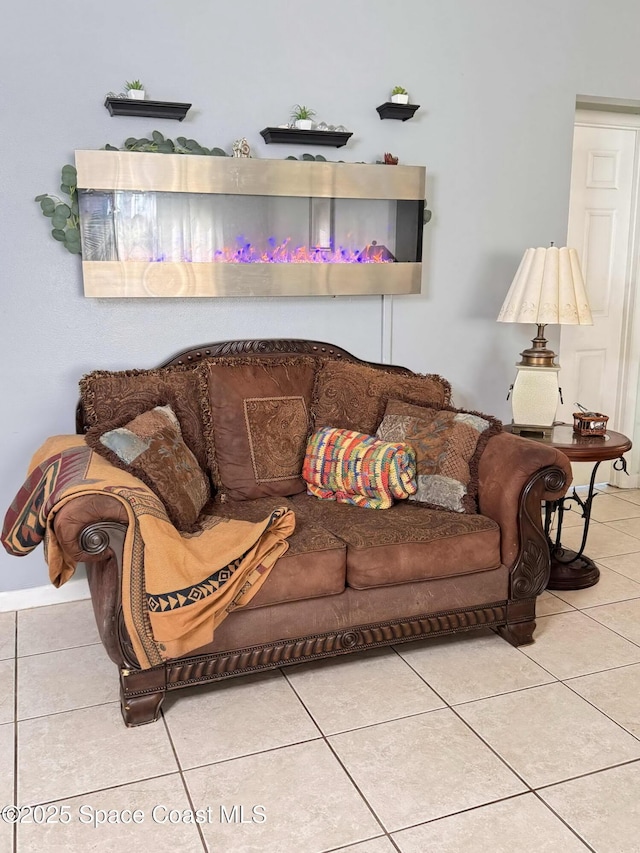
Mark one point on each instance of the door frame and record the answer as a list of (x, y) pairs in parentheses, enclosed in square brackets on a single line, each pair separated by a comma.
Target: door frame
[(628, 382)]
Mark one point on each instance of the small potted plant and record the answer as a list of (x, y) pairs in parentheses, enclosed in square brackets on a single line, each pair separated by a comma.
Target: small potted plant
[(399, 95), (302, 116), (135, 90)]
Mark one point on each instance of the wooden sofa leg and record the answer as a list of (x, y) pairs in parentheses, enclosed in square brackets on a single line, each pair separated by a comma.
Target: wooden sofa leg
[(141, 694), (521, 622), (519, 633), (139, 710)]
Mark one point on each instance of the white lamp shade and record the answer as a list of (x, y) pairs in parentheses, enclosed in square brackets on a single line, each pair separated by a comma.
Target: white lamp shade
[(547, 288)]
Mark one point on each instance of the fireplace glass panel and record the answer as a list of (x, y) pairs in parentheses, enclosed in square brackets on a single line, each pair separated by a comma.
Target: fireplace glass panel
[(209, 227)]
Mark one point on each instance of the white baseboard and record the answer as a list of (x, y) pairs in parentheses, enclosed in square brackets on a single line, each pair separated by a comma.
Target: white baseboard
[(75, 589), (630, 482)]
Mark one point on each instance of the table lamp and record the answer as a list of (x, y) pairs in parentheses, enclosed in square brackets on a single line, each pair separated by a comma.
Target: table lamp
[(547, 288)]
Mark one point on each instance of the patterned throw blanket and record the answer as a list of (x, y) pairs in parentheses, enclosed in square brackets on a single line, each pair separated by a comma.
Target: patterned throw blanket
[(176, 588)]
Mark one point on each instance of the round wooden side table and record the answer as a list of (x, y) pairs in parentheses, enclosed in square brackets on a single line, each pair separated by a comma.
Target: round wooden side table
[(573, 569)]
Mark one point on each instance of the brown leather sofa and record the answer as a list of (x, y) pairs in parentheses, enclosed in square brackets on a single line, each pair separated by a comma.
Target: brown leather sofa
[(352, 578)]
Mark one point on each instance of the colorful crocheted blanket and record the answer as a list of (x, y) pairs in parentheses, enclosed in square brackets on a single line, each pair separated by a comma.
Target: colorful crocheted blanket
[(176, 588), (351, 467)]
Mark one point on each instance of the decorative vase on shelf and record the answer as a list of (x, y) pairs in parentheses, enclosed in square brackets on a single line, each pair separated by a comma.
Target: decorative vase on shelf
[(136, 94), (304, 123), (399, 99)]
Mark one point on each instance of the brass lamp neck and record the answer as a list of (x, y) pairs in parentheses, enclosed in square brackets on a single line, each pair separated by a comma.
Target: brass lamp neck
[(538, 355)]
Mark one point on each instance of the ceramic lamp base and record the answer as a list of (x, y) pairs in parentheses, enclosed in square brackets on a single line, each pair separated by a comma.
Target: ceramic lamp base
[(534, 398)]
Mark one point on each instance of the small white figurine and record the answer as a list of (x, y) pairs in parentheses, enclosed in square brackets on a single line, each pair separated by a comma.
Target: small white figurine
[(241, 148)]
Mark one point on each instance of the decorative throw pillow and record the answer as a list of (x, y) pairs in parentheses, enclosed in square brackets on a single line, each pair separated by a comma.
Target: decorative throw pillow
[(151, 448), (448, 444), (256, 417), (354, 396), (350, 467), (110, 397)]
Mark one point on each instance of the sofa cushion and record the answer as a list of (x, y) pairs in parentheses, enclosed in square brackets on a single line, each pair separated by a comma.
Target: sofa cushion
[(314, 565), (151, 448), (256, 422), (354, 396), (119, 396), (448, 444), (408, 543), (355, 468)]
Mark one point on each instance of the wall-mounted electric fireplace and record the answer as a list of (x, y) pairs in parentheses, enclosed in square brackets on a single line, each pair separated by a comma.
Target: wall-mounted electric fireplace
[(177, 225)]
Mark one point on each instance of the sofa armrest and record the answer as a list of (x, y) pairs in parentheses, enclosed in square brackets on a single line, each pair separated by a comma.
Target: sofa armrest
[(507, 466), (91, 529), (74, 521)]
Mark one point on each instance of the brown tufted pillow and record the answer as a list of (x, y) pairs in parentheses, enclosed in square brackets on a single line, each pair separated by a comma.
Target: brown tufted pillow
[(354, 396), (151, 448), (256, 421), (448, 444), (118, 396)]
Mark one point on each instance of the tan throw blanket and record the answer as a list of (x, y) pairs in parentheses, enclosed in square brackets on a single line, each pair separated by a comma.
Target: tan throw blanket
[(176, 588)]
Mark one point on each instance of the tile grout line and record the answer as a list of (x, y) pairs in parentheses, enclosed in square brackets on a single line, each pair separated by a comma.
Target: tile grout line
[(288, 681), (364, 799), (586, 775), (562, 820), (604, 713), (68, 711), (467, 810), (602, 603), (471, 729), (554, 679), (90, 793), (53, 651), (348, 847), (568, 613), (602, 625), (182, 779), (530, 788), (252, 754), (600, 671), (602, 565), (333, 752)]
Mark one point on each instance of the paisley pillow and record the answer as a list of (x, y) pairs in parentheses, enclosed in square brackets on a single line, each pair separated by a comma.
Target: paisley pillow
[(448, 444), (151, 448)]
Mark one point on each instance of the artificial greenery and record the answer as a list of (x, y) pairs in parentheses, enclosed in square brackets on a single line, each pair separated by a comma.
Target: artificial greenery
[(309, 157), (399, 90), (302, 113), (134, 84), (159, 144), (63, 215)]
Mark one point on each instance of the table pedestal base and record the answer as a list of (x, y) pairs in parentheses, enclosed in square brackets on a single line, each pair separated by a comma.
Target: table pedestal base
[(570, 571)]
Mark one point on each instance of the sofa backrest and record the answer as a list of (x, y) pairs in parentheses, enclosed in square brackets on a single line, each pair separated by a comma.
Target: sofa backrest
[(275, 347), (270, 347), (247, 408)]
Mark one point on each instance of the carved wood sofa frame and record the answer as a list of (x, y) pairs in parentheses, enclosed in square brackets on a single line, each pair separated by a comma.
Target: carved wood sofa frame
[(142, 691)]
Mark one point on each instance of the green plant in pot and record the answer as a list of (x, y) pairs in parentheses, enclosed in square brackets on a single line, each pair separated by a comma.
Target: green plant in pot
[(64, 215), (135, 90), (399, 95), (303, 117)]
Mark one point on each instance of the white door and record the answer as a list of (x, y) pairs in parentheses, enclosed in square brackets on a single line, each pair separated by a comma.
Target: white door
[(602, 224)]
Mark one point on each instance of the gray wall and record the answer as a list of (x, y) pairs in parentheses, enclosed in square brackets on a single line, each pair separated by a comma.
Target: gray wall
[(497, 82)]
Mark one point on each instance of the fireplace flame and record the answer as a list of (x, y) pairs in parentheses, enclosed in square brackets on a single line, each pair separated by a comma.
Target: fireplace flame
[(284, 253)]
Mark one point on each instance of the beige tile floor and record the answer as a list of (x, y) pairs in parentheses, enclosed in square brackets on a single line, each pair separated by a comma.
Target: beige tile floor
[(458, 743)]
